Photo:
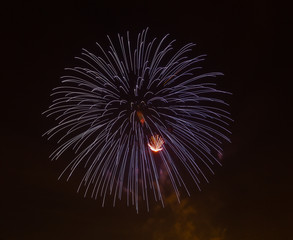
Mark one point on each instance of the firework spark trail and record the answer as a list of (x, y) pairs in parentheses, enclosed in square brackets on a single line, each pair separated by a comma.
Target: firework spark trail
[(123, 105)]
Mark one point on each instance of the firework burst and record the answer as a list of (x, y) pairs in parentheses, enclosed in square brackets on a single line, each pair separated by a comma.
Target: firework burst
[(134, 110)]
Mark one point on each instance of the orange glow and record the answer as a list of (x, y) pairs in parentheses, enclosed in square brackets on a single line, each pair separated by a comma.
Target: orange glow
[(156, 142), (140, 117), (171, 77)]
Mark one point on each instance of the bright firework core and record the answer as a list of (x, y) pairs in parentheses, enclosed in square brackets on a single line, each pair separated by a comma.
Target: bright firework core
[(156, 142)]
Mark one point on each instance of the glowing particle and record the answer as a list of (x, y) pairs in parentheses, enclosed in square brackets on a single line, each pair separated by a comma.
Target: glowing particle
[(156, 143)]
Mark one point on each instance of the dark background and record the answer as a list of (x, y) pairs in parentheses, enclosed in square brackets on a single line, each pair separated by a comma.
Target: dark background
[(249, 198)]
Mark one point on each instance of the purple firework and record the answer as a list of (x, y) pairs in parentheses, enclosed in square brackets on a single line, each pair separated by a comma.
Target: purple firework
[(135, 110)]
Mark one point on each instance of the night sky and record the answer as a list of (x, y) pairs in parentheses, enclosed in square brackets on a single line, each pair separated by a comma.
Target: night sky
[(249, 197)]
